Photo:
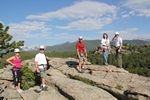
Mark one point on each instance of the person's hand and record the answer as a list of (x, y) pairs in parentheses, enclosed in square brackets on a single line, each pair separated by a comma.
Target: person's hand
[(37, 70), (78, 56), (86, 56), (13, 64), (119, 50)]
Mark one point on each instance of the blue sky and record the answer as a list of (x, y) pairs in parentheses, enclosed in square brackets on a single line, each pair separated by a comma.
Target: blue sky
[(51, 22)]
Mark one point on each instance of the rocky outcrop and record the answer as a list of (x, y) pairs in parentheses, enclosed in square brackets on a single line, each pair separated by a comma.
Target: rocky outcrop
[(65, 82), (120, 83), (75, 89), (6, 74)]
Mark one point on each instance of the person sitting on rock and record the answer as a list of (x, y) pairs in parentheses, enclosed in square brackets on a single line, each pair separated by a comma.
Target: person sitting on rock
[(41, 66), (15, 61), (81, 53)]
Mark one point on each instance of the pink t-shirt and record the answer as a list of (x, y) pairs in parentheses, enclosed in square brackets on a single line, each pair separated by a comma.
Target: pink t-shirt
[(17, 62)]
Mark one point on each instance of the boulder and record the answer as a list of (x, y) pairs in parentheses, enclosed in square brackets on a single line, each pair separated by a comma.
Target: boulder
[(11, 94), (51, 94), (6, 75), (30, 94), (30, 64), (77, 90)]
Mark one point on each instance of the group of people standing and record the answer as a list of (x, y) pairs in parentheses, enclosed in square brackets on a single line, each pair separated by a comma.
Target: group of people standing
[(105, 48), (41, 60)]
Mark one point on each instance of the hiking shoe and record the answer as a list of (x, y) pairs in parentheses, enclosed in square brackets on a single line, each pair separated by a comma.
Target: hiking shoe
[(45, 88)]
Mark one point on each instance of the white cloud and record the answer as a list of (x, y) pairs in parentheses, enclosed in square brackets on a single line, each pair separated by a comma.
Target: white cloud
[(87, 24), (65, 36), (82, 15), (79, 10), (27, 30), (127, 14), (139, 7), (129, 34)]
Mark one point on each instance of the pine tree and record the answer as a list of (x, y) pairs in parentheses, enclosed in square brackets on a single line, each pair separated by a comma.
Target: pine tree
[(6, 45)]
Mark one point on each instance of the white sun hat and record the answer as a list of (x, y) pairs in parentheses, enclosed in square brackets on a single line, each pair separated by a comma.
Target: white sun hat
[(16, 50), (116, 33), (41, 46)]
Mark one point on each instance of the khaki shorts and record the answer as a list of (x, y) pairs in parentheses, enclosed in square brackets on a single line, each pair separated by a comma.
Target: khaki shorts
[(82, 58), (43, 72)]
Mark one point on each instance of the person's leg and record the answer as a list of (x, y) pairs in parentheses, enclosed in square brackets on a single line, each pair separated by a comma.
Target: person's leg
[(81, 65), (19, 77), (120, 60), (15, 79), (43, 81), (107, 53), (105, 57)]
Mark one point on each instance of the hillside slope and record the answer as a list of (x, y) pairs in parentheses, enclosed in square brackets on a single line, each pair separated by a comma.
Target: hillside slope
[(90, 45)]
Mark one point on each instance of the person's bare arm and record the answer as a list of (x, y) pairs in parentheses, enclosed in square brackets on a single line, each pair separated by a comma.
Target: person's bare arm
[(36, 66), (86, 53), (121, 44), (113, 38), (9, 60), (120, 47), (78, 54)]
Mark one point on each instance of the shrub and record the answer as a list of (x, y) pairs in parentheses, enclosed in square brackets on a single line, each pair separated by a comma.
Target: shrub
[(27, 78)]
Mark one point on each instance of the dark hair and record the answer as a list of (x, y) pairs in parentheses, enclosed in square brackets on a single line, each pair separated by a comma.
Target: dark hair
[(106, 35)]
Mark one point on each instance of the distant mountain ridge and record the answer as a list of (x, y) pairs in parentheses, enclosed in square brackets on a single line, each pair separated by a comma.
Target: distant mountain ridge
[(90, 45)]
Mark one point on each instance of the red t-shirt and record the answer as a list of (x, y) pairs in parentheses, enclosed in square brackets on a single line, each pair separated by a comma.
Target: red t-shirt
[(80, 46)]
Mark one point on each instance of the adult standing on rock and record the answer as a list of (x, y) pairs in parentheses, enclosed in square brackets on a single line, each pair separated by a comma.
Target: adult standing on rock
[(16, 61), (105, 46), (81, 53), (41, 66), (118, 45)]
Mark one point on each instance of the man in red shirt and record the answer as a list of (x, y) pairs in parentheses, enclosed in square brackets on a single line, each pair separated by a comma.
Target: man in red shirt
[(81, 53)]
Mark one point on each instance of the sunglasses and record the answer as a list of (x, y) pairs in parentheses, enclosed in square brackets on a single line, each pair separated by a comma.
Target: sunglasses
[(41, 49)]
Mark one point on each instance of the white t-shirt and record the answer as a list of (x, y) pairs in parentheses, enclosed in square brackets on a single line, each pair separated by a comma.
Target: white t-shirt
[(105, 42), (117, 41), (40, 58)]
